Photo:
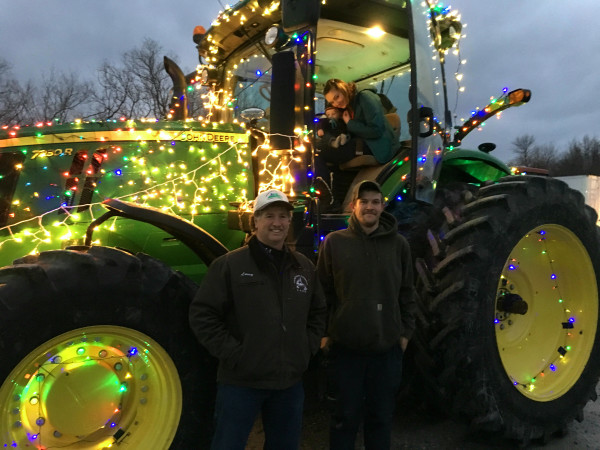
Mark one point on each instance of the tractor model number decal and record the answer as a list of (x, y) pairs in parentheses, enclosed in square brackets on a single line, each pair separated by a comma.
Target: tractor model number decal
[(200, 136), (48, 153)]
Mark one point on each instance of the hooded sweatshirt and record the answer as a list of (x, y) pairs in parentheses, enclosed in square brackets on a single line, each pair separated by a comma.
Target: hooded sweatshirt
[(368, 283)]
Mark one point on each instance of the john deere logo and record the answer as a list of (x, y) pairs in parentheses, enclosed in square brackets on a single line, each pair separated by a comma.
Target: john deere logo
[(301, 283)]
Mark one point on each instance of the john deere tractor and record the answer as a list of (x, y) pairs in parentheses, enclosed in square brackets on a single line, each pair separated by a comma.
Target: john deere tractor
[(107, 227)]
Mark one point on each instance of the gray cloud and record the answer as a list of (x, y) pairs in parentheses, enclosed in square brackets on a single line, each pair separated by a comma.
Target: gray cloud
[(549, 47), (77, 35)]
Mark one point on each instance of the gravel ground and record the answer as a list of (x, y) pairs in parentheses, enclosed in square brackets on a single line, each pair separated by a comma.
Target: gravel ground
[(417, 430)]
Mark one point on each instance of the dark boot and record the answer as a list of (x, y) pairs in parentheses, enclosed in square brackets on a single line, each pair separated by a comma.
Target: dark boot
[(323, 192), (340, 183)]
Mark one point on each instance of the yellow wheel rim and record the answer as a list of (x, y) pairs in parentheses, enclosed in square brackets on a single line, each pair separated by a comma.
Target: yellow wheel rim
[(92, 388), (545, 350)]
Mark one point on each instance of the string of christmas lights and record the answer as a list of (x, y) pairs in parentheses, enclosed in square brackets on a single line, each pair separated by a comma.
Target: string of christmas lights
[(567, 323), (209, 187)]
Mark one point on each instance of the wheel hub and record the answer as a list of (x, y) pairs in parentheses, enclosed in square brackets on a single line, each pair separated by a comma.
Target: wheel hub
[(545, 343), (92, 388), (512, 303), (83, 398)]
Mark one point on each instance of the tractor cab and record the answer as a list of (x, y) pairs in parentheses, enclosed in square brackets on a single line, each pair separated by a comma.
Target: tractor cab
[(277, 59)]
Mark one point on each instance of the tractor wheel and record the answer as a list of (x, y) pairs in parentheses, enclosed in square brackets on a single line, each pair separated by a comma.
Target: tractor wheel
[(97, 351), (509, 296)]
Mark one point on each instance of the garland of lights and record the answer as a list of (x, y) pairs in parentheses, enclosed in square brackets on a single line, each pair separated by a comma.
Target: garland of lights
[(445, 27), (450, 30), (42, 235), (275, 173)]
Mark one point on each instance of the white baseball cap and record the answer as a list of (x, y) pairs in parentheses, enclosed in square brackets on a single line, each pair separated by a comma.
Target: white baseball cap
[(271, 197)]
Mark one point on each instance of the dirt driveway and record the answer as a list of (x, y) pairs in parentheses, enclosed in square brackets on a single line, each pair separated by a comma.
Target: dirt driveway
[(416, 430)]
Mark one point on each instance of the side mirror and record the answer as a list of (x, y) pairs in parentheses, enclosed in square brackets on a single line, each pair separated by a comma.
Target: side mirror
[(208, 76), (425, 121)]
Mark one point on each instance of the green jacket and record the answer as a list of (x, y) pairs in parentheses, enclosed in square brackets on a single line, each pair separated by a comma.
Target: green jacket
[(368, 282), (263, 324), (370, 124)]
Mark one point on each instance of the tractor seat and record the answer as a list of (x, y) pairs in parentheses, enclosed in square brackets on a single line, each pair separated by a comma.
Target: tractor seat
[(359, 161)]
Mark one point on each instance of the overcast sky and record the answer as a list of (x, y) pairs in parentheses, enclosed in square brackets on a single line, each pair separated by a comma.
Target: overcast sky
[(551, 47)]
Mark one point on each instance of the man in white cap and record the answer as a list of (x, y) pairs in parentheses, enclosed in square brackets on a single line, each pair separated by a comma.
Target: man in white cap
[(261, 311)]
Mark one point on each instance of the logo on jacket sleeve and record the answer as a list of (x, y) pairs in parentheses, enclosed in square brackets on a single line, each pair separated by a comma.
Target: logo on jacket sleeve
[(301, 283)]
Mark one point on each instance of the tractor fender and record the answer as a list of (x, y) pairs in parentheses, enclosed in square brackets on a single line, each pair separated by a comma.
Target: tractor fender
[(463, 154), (471, 166), (202, 243)]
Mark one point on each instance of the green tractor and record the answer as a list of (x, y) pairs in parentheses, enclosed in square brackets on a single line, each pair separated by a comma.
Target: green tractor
[(107, 227)]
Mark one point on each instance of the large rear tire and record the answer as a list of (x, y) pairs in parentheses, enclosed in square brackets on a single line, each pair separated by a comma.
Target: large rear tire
[(509, 296), (96, 349)]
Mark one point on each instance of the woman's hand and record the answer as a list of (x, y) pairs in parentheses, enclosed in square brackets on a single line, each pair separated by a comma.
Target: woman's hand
[(403, 343), (346, 116)]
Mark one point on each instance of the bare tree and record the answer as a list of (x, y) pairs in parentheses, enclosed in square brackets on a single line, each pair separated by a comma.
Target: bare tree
[(59, 97), (581, 158), (15, 99), (117, 94), (542, 156), (137, 87), (522, 147), (62, 98), (4, 68)]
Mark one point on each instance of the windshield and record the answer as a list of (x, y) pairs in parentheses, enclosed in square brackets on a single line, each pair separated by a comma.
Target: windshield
[(249, 81)]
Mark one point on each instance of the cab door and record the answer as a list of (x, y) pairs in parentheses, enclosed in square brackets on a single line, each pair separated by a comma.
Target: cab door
[(430, 119)]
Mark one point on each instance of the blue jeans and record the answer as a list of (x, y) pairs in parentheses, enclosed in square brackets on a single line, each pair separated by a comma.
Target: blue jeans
[(236, 410), (364, 388)]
